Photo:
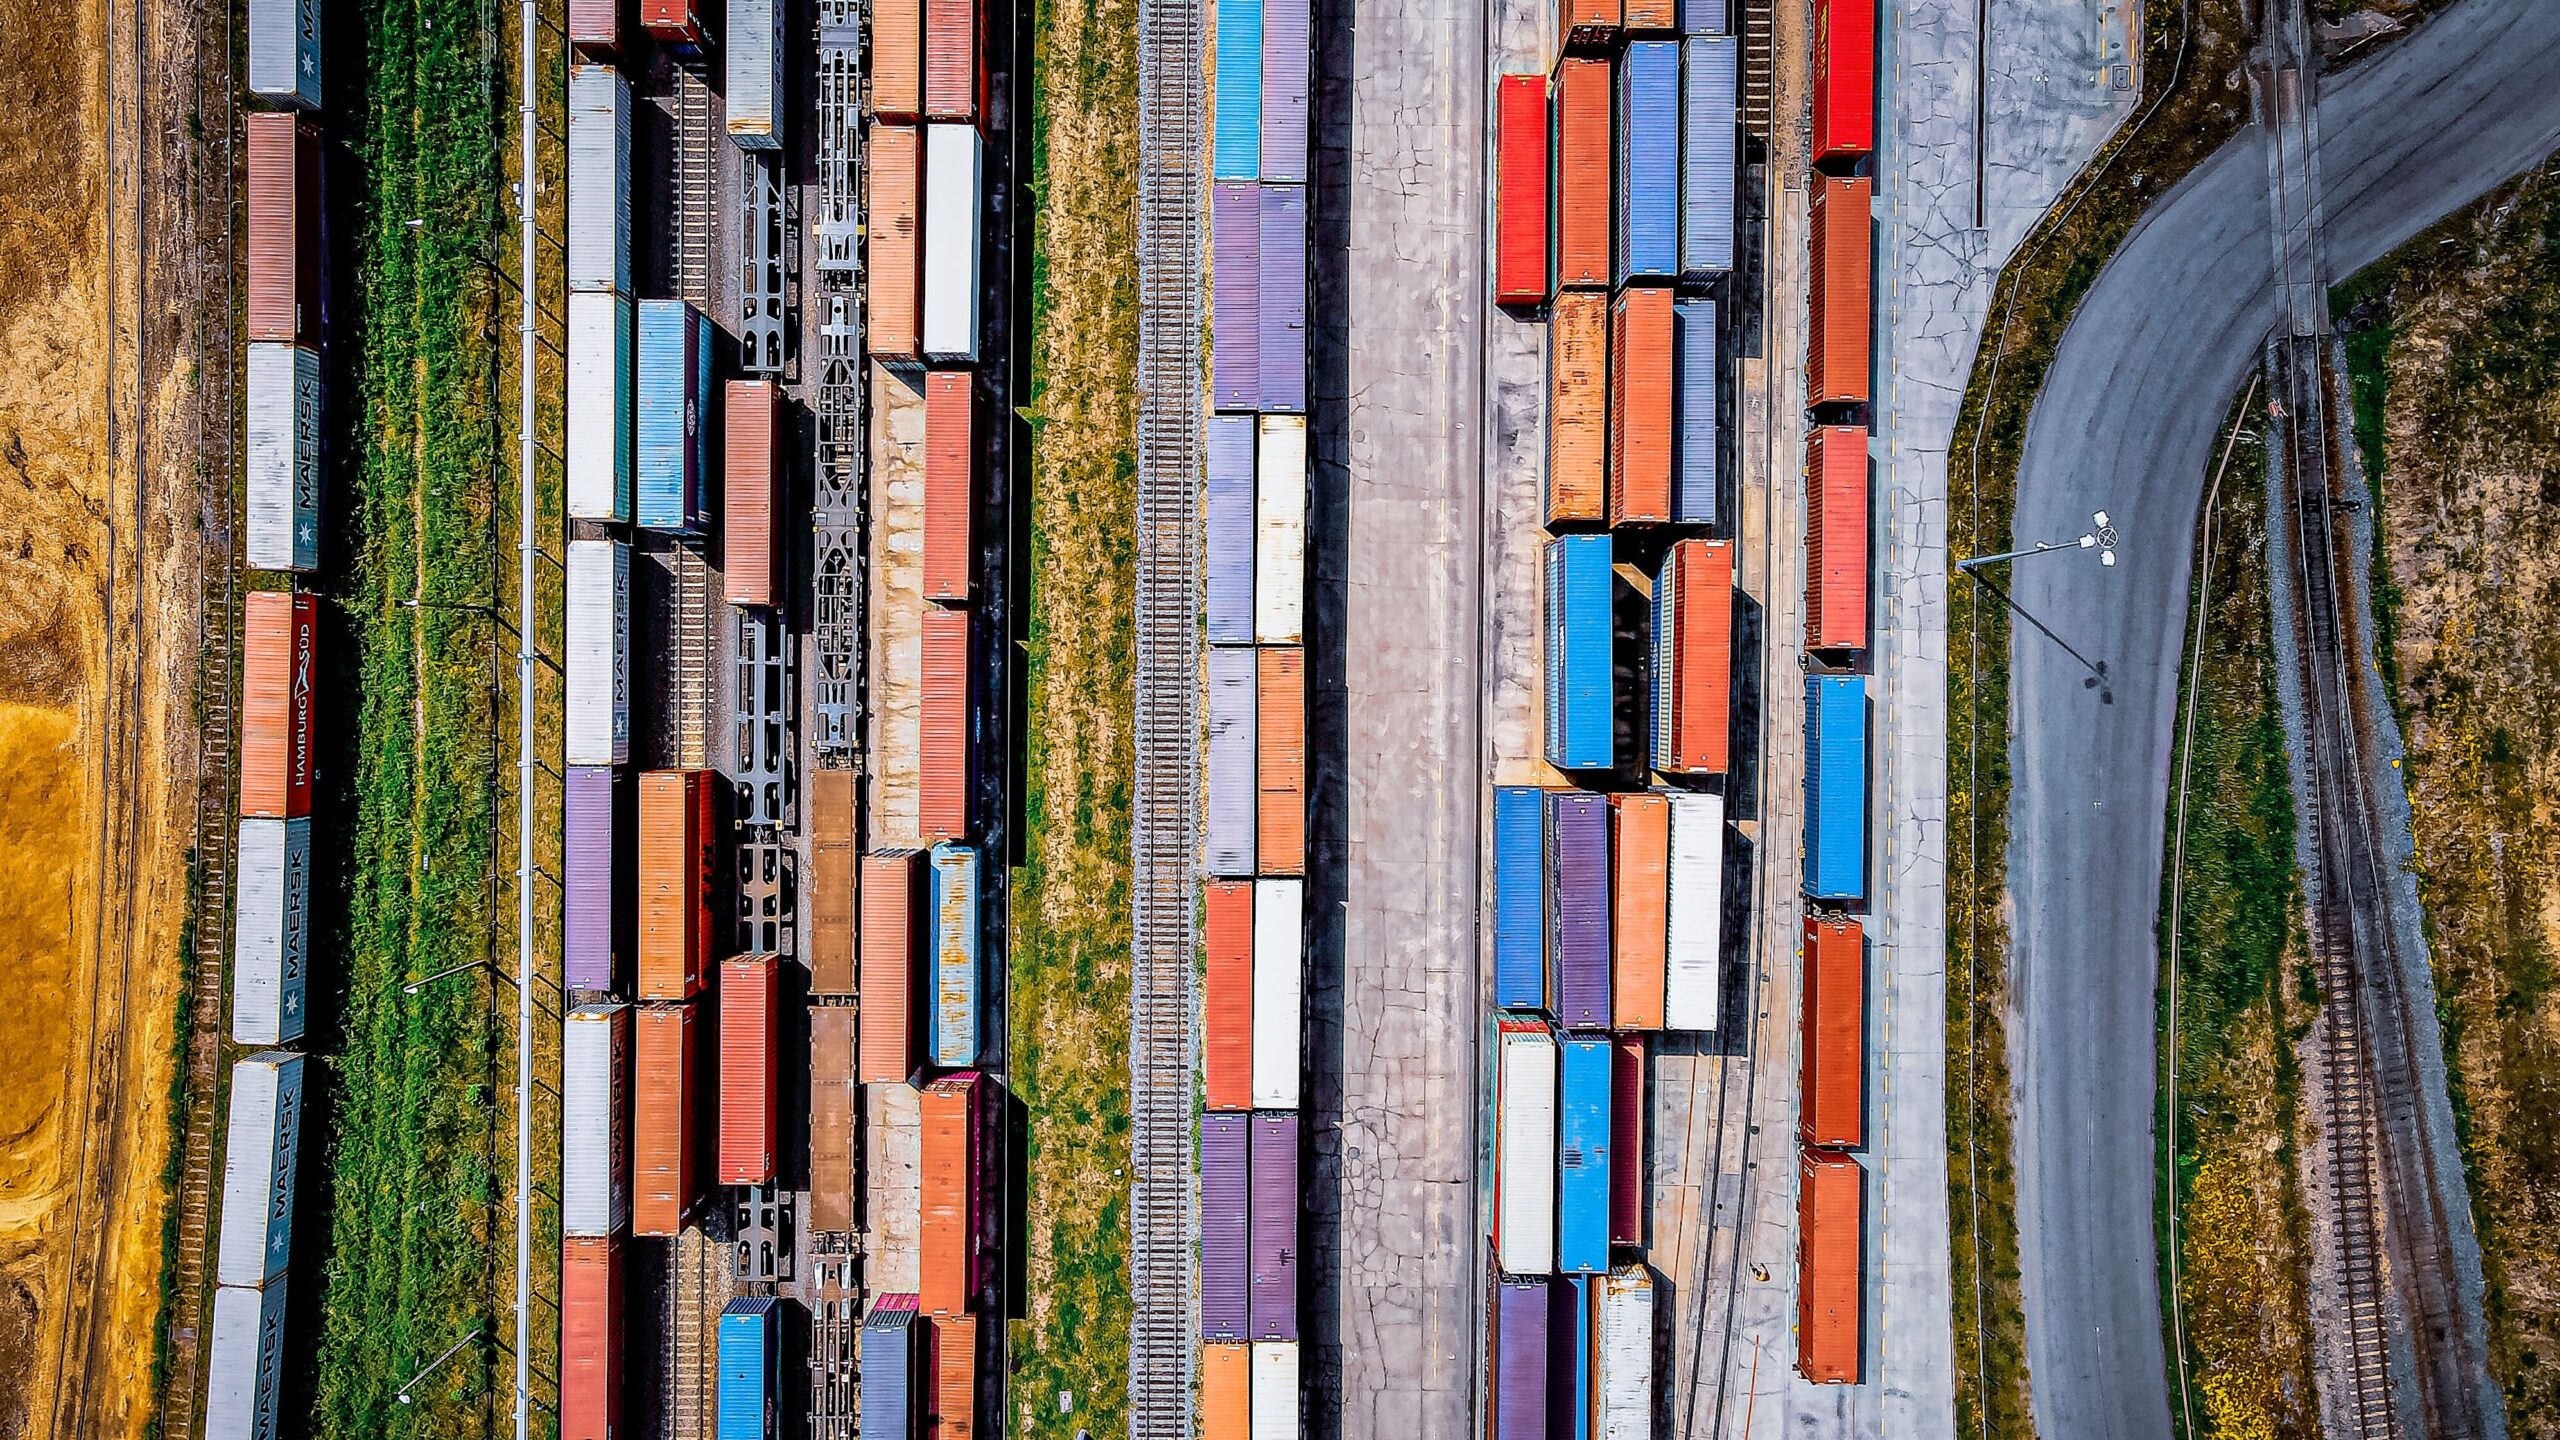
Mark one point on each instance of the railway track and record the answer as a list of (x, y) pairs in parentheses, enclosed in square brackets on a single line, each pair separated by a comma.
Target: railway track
[(696, 207), (695, 646)]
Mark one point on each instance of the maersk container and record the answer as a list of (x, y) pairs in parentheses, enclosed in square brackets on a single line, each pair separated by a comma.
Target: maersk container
[(599, 179), (1519, 943), (258, 1166), (599, 420), (1569, 1341), (1285, 33), (1279, 982), (1236, 141), (891, 1360), (955, 954), (1622, 1356), (1230, 522), (953, 156), (1274, 1234), (1281, 257), (1226, 1209), (1710, 114), (1647, 190), (284, 52), (1576, 863), (283, 472), (1232, 780), (1580, 731), (1695, 453), (595, 1125), (1524, 1146), (244, 1363), (594, 813), (1835, 787), (1275, 1390), (1582, 1156), (753, 43), (749, 1380), (1521, 1310), (674, 406), (597, 665), (271, 935), (1280, 530), (1694, 974), (1235, 295)]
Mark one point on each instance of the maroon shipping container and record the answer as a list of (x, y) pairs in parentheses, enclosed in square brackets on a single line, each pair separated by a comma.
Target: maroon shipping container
[(950, 447), (893, 908), (1626, 1140), (942, 742), (749, 1070), (276, 668), (750, 493), (284, 228), (1520, 256), (673, 22), (951, 51), (595, 25), (1584, 164), (591, 1337)]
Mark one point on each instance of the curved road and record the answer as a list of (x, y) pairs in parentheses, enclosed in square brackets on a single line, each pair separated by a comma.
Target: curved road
[(2126, 423)]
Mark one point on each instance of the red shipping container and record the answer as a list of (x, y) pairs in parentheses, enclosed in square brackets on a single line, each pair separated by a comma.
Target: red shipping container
[(1844, 78), (951, 50), (750, 1072), (590, 1337), (1831, 1222), (1591, 22), (832, 855), (1700, 685), (892, 915), (1837, 357), (1226, 1002), (1577, 408), (1833, 1113), (595, 25), (1520, 257), (1640, 907), (750, 498), (897, 58), (950, 1263), (666, 1061), (1583, 169), (1835, 589), (893, 255), (1640, 407), (950, 453), (1626, 1140), (954, 1412), (679, 838), (1280, 761), (834, 1034), (942, 741), (673, 22), (277, 656), (284, 227)]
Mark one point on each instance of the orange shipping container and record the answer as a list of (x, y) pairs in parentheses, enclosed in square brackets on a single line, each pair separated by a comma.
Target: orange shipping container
[(678, 839), (1831, 1225), (897, 58), (1584, 165), (666, 1063), (947, 1253), (954, 1415), (1836, 355), (1650, 15), (590, 1337), (1280, 762), (1640, 907), (278, 652), (1835, 577), (284, 227), (1226, 1392), (1591, 22), (831, 883), (750, 1075), (1577, 408), (893, 268), (942, 739), (1640, 407), (1694, 662), (950, 451), (1833, 1111), (750, 494), (951, 59), (1226, 1002), (892, 912), (833, 1033)]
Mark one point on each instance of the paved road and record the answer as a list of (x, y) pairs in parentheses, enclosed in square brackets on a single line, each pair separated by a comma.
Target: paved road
[(2125, 423)]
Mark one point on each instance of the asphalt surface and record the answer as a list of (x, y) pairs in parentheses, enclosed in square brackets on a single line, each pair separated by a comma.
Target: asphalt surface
[(2125, 423)]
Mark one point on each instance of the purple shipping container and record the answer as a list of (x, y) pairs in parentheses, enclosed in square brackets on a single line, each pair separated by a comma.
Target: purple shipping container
[(1231, 530), (1235, 300), (587, 825), (1520, 1359), (1232, 778), (1275, 1226), (1225, 1205), (1577, 866), (1283, 258), (1284, 90)]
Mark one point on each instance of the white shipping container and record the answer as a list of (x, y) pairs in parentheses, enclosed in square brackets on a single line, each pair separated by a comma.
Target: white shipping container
[(599, 653), (271, 932), (599, 438), (284, 457), (1622, 1354), (599, 179), (755, 73), (893, 1184), (244, 1362), (1280, 531), (258, 1168), (1232, 778), (1689, 993), (1279, 977), (284, 52), (595, 1120), (1524, 1152), (1275, 1390), (952, 157)]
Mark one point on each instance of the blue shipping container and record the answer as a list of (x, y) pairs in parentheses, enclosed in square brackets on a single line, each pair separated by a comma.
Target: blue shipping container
[(1648, 161), (1579, 633), (1582, 1156), (1230, 599), (889, 1366), (1235, 296), (1569, 1378), (1693, 434), (1709, 115), (1519, 944), (1283, 258), (1702, 17), (955, 955), (1577, 906), (1238, 141), (750, 1369), (675, 403), (1284, 90), (1519, 1379), (1835, 784)]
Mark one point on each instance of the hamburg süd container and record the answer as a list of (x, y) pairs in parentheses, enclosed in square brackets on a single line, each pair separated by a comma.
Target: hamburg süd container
[(1577, 907), (244, 1363), (892, 1353), (894, 906), (1226, 995), (1279, 984), (1520, 180), (1639, 907), (897, 59), (271, 932), (1280, 263), (259, 1162), (666, 1067), (1519, 899), (1835, 588), (1584, 101), (1622, 1355), (283, 470), (1693, 658), (595, 815), (674, 406), (1280, 530), (1831, 1222), (1626, 1127), (1226, 1209), (752, 502), (1579, 632), (596, 664), (1524, 1146), (1844, 79), (1640, 419), (1235, 295), (679, 842), (1285, 35), (1696, 449), (1233, 779), (750, 1069), (1522, 1308), (893, 273), (1693, 977), (955, 955), (1590, 22), (1275, 1390), (1230, 529), (1838, 360), (284, 51), (955, 1383), (591, 1326), (277, 663), (1710, 130), (285, 264), (751, 41), (834, 892), (1226, 1390), (835, 1111), (748, 1383), (1582, 1155), (892, 1181), (1273, 1240), (943, 751), (599, 441), (595, 1124), (1835, 785), (672, 22), (1577, 487), (953, 161), (1235, 151), (950, 460), (955, 1274), (1833, 1113), (1280, 761), (595, 25), (599, 210), (1647, 191)]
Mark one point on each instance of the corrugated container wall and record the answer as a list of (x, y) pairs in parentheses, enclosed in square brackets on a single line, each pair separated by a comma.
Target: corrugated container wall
[(1285, 38), (679, 838), (749, 1370), (1580, 733), (1590, 22), (834, 1109), (1231, 534), (1693, 658), (890, 1363), (674, 406), (1710, 81), (1226, 1000), (1837, 356), (591, 1329), (1577, 488), (597, 665), (1519, 925), (894, 905), (949, 1274), (271, 936), (1833, 1111), (1639, 907), (285, 264), (1830, 1245), (244, 1364), (831, 882), (259, 1162), (1582, 1156), (1274, 1236), (943, 752), (1577, 907), (1835, 783), (594, 814), (595, 25), (1627, 1198), (950, 460), (1622, 1355), (1235, 295), (278, 663), (955, 1386), (952, 51), (897, 59), (1226, 1209), (1694, 972), (893, 274), (752, 42), (1280, 261), (600, 394), (1232, 771), (1835, 597), (1521, 1356), (1275, 1390), (1844, 78), (953, 190), (1236, 145), (1520, 165), (1279, 987), (1648, 161), (955, 955), (283, 472), (1703, 17), (752, 503), (1280, 530), (673, 22), (284, 52), (1524, 1147), (599, 213), (750, 1069), (595, 1120), (1696, 468), (1584, 100), (1640, 422), (666, 1063), (1280, 723), (1226, 1392)]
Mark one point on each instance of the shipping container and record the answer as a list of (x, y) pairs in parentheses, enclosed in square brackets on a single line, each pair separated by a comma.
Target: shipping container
[(672, 22), (954, 51), (750, 1068), (277, 665), (1627, 1200), (897, 59), (1520, 177), (1275, 1390), (1519, 890), (599, 458), (591, 1329), (599, 208), (1280, 259), (1280, 722), (1274, 1235), (283, 472), (1524, 1146), (1703, 17), (244, 1364), (835, 1035), (892, 1356), (893, 1183), (1590, 22), (259, 1165), (1279, 985), (595, 1120), (1580, 636), (751, 41), (595, 25), (1582, 1155), (1835, 592), (832, 884), (680, 844), (955, 1388), (1835, 784), (284, 52), (894, 906), (1639, 907), (1569, 1357), (1233, 777), (1831, 1225), (1285, 52), (1236, 139), (1647, 187), (749, 1385), (597, 660), (1833, 1114), (1844, 79), (1693, 658), (1640, 421), (1837, 359), (1576, 859), (753, 501), (666, 1064), (1226, 998), (1649, 15), (1226, 1391), (1577, 488), (1226, 1211), (893, 259), (1622, 1355), (950, 497), (1693, 980), (955, 955), (943, 751), (1280, 530), (1584, 104), (953, 191), (1521, 1311), (957, 1273), (1710, 131), (286, 268), (1697, 452), (1230, 529), (595, 810), (674, 406), (1235, 295), (271, 936)]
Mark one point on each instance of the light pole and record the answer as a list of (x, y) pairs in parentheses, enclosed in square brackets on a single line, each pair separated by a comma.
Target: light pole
[(430, 1367), (2101, 537)]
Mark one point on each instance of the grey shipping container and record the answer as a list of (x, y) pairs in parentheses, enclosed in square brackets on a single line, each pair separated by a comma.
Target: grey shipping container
[(599, 179), (1230, 597), (1235, 295), (284, 52), (754, 49), (244, 1363), (1225, 1219), (892, 1358), (595, 1120), (1704, 17), (284, 457), (1274, 1241), (271, 932), (599, 406), (1710, 77), (1577, 898), (1284, 90), (594, 807), (1281, 257), (1694, 448), (258, 1165), (1231, 761)]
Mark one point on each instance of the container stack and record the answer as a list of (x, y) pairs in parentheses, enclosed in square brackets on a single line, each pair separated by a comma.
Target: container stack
[(1255, 847)]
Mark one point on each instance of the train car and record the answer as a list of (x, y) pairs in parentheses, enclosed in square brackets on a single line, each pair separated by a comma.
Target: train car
[(1580, 635), (1582, 1155), (1280, 760), (1832, 1082), (1693, 658), (1831, 1221), (680, 842), (666, 1169), (753, 502), (1710, 137), (284, 52), (1226, 1221), (1226, 996), (1279, 987), (1280, 530), (1519, 898), (271, 932), (749, 1381), (1693, 978), (944, 754), (1233, 778), (285, 266), (1647, 189), (1697, 454), (950, 492), (894, 908), (1639, 907), (1520, 179), (1524, 1146), (1844, 80), (1575, 860), (955, 955), (278, 660), (835, 1108), (259, 1163), (750, 1069), (592, 1321), (1835, 785), (1839, 359), (595, 1120), (1273, 1239), (1641, 428), (283, 471), (1235, 294), (834, 893), (1835, 592), (674, 408), (1577, 480)]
